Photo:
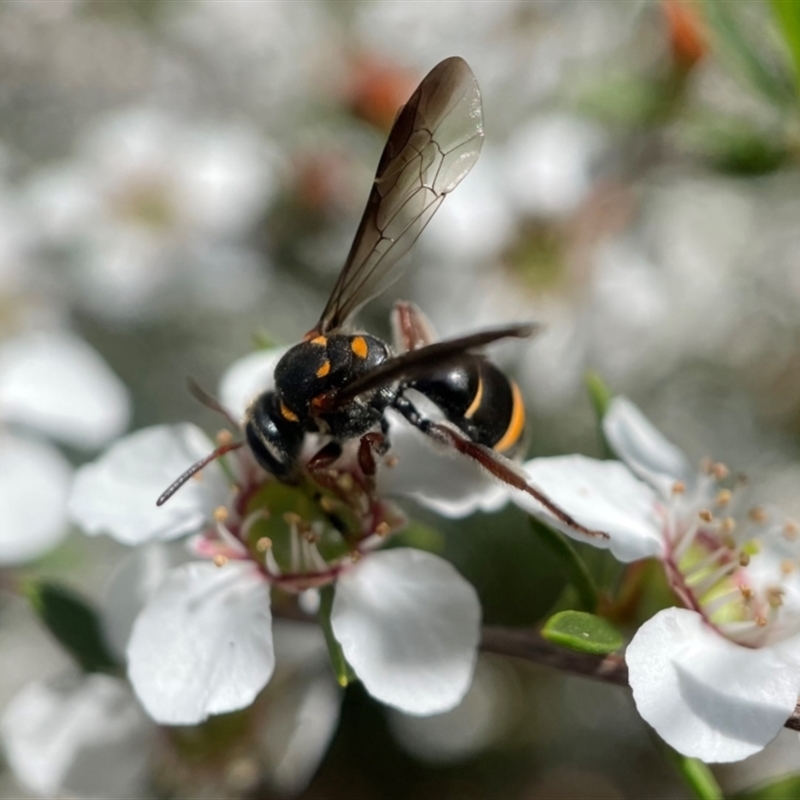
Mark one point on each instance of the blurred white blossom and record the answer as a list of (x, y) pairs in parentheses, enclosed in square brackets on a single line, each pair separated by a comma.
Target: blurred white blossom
[(150, 202), (51, 383)]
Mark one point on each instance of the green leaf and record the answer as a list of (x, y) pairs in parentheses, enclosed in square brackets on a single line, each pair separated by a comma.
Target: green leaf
[(733, 145), (586, 633), (629, 101), (742, 53), (697, 775), (782, 789), (343, 671), (787, 15), (599, 393), (600, 397), (74, 623), (264, 340), (572, 565)]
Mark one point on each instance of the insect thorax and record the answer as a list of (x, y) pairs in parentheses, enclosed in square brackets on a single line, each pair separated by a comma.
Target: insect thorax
[(311, 373)]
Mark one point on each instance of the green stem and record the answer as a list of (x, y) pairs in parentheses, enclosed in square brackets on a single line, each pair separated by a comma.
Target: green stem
[(343, 671), (697, 775)]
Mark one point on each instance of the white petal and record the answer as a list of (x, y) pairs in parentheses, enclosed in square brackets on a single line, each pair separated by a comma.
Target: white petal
[(247, 378), (58, 384), (474, 724), (78, 735), (603, 496), (409, 624), (644, 448), (706, 696), (302, 708), (448, 483), (117, 493), (34, 486), (203, 643), (133, 582)]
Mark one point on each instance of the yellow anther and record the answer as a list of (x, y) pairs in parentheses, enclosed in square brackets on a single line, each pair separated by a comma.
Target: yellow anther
[(290, 518), (720, 471), (747, 592), (729, 542), (775, 597), (220, 560), (355, 556), (728, 525), (790, 529), (744, 559), (679, 487), (327, 504), (724, 497), (391, 461), (788, 566), (345, 482), (758, 514), (220, 514), (382, 529), (263, 544), (761, 620), (224, 437), (705, 515)]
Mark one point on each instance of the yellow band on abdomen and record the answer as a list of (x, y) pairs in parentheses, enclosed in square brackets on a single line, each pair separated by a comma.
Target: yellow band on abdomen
[(516, 424)]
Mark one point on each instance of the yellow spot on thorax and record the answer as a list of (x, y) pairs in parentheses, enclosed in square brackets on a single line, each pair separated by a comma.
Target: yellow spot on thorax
[(322, 341), (288, 414), (359, 347), (324, 369), (517, 423)]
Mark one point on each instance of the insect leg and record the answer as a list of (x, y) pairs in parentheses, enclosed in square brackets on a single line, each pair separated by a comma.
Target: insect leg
[(496, 465), (411, 329), (325, 457), (371, 444)]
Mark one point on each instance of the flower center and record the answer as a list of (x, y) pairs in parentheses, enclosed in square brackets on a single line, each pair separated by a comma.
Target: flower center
[(730, 564), (300, 536)]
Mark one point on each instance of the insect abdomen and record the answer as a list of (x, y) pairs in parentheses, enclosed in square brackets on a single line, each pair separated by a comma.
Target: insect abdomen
[(479, 399)]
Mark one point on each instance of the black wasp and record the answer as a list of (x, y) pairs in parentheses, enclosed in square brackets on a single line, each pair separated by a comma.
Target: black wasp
[(340, 383)]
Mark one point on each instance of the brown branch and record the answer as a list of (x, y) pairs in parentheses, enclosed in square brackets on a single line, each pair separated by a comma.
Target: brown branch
[(529, 645)]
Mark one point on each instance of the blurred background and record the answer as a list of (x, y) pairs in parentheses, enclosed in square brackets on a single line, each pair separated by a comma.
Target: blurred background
[(180, 183)]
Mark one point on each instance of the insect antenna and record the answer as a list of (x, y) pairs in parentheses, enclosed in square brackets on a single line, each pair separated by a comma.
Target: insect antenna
[(209, 401), (195, 468)]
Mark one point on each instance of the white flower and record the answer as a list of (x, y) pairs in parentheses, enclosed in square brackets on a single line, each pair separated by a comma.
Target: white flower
[(87, 736), (718, 677), (55, 384), (81, 735), (149, 200), (203, 644)]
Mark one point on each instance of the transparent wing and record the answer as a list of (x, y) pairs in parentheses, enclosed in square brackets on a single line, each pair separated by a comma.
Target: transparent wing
[(433, 144)]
